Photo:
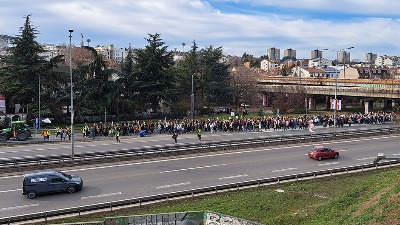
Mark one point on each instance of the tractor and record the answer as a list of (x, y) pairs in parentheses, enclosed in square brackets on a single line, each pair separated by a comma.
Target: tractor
[(18, 131)]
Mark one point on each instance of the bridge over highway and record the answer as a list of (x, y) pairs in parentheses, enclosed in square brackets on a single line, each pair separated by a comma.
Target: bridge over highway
[(366, 89)]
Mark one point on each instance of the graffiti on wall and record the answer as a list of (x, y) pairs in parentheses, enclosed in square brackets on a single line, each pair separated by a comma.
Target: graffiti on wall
[(213, 218), (157, 219)]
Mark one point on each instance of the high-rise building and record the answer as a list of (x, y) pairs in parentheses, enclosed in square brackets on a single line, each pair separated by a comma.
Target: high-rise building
[(274, 53), (289, 53), (316, 54), (370, 57), (343, 57)]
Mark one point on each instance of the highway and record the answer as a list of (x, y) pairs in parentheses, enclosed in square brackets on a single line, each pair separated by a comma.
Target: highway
[(110, 182)]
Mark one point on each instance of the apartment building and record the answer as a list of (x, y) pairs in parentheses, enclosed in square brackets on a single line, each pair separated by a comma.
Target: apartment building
[(268, 65), (319, 62), (387, 61), (298, 71), (343, 57), (370, 57), (316, 54), (51, 51), (111, 52), (274, 54), (289, 53)]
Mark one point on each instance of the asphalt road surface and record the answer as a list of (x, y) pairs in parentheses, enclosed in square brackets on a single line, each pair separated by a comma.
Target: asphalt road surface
[(99, 144), (103, 183)]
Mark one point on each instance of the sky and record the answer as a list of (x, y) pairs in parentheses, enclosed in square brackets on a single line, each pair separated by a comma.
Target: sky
[(238, 26)]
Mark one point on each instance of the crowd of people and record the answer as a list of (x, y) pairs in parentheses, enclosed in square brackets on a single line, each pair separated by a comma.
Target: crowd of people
[(231, 124)]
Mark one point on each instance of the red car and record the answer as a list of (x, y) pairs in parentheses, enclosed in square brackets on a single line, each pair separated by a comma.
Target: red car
[(322, 152)]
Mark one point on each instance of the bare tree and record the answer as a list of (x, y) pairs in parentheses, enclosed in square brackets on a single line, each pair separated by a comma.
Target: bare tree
[(244, 85)]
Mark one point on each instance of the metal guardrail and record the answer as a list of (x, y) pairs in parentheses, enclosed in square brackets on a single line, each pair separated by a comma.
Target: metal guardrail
[(42, 160), (45, 215)]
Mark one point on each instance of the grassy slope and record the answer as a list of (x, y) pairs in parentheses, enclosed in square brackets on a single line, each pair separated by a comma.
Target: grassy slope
[(368, 198)]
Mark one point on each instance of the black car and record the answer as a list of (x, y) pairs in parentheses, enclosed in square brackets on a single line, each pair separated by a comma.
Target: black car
[(50, 181)]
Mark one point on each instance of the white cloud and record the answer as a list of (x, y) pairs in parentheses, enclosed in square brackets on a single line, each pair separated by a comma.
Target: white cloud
[(121, 22)]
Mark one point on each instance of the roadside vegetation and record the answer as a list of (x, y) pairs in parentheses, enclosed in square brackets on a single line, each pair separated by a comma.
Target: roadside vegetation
[(371, 197)]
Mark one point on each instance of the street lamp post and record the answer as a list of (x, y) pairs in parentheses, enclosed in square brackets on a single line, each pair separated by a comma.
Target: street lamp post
[(336, 85), (38, 124), (192, 100), (72, 95), (305, 90)]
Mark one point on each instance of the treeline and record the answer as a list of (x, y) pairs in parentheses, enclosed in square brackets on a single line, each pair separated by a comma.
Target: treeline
[(148, 80)]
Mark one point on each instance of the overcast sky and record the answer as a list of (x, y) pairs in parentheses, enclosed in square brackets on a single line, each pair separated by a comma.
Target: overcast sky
[(238, 26)]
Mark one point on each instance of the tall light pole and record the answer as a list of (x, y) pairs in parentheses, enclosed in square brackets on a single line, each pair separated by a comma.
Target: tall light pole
[(72, 95), (306, 99), (192, 100), (336, 84), (38, 124)]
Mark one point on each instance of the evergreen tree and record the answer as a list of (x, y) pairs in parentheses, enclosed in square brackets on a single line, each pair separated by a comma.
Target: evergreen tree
[(19, 78), (153, 73), (92, 83), (54, 88), (214, 82), (126, 83), (185, 69)]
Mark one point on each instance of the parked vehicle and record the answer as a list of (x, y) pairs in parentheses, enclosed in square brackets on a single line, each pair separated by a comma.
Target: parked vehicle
[(322, 152), (18, 130), (50, 181)]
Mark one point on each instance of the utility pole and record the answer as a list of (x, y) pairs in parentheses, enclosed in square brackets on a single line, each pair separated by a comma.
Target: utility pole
[(72, 96)]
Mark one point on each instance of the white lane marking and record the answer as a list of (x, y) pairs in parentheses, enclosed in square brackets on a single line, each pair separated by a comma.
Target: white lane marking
[(232, 177), (102, 196), (173, 185), (283, 170), (191, 168), (328, 164), (19, 207), (10, 190), (367, 158)]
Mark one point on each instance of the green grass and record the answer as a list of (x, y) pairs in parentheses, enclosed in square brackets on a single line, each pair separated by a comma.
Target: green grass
[(365, 198)]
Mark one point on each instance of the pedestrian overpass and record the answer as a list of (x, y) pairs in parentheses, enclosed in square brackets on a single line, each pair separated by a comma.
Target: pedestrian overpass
[(365, 89)]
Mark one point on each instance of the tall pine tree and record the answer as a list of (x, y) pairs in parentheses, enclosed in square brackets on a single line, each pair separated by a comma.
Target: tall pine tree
[(153, 74), (19, 79), (126, 84), (214, 78)]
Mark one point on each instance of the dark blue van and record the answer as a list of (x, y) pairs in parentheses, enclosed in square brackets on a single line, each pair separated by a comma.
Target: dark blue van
[(50, 181)]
